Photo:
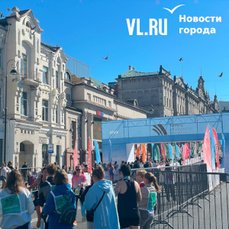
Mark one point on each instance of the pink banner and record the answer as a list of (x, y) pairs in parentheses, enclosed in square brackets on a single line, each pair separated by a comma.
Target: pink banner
[(187, 151), (184, 154), (162, 150), (216, 146), (207, 150), (89, 155), (143, 153), (75, 156)]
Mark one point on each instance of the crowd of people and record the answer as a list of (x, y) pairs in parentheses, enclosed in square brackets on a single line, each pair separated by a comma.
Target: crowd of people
[(55, 198)]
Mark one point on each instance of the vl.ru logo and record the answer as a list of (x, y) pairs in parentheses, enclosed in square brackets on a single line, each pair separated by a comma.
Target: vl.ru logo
[(156, 27)]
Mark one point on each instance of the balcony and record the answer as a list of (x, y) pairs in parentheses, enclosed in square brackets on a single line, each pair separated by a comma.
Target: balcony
[(31, 78)]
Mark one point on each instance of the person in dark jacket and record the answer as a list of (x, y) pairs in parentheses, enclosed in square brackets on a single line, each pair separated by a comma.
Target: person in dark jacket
[(89, 215), (62, 188), (46, 187)]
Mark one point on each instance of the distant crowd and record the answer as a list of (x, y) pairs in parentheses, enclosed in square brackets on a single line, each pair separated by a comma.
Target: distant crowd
[(55, 194)]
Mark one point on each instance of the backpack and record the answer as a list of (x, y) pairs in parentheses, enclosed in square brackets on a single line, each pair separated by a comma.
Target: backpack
[(65, 208), (52, 187)]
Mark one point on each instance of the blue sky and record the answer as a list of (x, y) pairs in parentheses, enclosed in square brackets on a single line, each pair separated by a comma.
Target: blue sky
[(88, 30)]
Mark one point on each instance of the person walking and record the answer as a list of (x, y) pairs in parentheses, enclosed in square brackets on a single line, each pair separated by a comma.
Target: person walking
[(24, 171), (89, 214), (15, 194), (58, 200), (149, 200), (79, 180), (4, 171), (101, 199), (46, 187), (169, 183), (39, 202), (111, 172), (129, 194)]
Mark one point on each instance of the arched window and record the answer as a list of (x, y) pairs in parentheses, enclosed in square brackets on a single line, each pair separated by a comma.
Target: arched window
[(67, 76), (22, 147), (28, 24)]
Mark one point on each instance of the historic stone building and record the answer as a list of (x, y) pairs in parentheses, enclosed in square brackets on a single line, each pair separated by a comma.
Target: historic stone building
[(36, 97), (47, 105), (89, 103), (163, 96)]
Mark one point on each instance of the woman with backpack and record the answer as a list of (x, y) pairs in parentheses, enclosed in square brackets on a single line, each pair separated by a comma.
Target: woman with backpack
[(15, 194), (61, 203), (149, 200)]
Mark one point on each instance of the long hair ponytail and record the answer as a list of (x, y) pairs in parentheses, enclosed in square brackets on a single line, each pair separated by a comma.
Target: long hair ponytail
[(152, 179)]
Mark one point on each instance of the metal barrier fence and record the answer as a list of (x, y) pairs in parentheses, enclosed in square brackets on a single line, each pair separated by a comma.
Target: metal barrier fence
[(190, 197)]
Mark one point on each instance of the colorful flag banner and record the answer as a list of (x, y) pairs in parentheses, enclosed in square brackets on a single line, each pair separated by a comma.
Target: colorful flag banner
[(223, 151), (184, 153), (97, 154), (143, 153), (167, 151), (171, 152), (187, 151), (174, 150), (156, 152), (162, 150), (216, 147), (207, 150), (152, 145), (177, 152), (89, 155), (138, 152), (212, 142), (75, 155)]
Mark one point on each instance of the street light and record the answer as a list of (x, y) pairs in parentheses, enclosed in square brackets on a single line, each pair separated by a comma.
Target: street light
[(12, 72)]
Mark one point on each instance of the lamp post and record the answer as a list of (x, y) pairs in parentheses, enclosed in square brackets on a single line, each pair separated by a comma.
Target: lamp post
[(12, 72)]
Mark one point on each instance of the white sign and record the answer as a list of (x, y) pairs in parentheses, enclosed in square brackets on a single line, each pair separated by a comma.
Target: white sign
[(50, 148)]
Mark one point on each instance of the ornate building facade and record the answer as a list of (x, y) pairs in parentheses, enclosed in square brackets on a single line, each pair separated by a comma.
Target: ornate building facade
[(89, 103), (163, 96), (36, 98), (46, 103)]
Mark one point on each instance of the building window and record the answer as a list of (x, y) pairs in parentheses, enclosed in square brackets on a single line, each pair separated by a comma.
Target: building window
[(0, 101), (89, 96), (73, 129), (57, 116), (0, 58), (45, 75), (58, 155), (24, 103), (24, 65), (99, 100), (19, 38), (67, 76), (22, 147), (109, 103), (38, 42), (44, 154), (28, 24), (57, 84), (45, 110)]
